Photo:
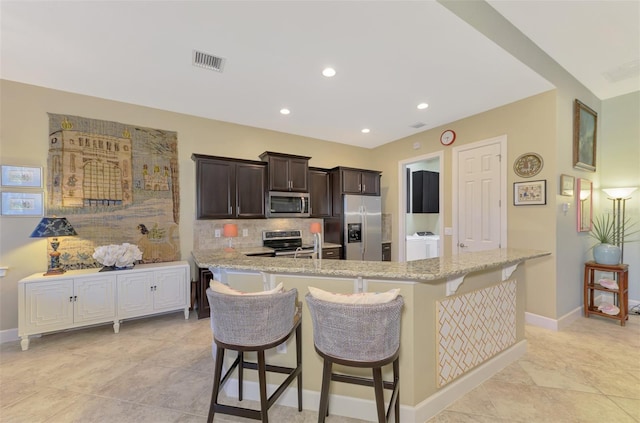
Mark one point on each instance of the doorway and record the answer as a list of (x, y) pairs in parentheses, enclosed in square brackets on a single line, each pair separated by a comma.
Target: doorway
[(408, 222)]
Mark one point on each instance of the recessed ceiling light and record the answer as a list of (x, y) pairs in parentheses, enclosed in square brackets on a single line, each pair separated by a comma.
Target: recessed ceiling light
[(285, 111), (366, 130), (422, 106), (329, 72)]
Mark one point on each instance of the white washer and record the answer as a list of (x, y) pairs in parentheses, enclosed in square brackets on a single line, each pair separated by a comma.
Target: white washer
[(420, 246)]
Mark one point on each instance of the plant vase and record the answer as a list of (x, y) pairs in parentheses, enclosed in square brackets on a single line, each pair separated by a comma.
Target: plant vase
[(607, 254)]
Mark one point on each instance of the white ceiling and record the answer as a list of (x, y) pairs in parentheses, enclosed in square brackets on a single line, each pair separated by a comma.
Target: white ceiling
[(389, 56)]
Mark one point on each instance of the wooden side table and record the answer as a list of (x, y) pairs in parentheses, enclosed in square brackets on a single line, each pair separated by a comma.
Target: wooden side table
[(591, 287)]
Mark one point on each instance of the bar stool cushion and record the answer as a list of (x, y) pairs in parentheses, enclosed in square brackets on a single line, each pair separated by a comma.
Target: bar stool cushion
[(226, 289), (357, 298)]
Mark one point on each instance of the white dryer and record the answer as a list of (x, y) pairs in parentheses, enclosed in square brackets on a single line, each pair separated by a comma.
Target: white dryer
[(422, 245)]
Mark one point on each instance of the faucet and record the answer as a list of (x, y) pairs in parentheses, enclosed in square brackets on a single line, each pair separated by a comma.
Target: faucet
[(295, 253), (317, 245)]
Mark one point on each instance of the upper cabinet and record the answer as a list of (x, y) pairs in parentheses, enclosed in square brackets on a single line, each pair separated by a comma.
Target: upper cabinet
[(356, 181), (229, 188), (287, 172), (425, 192), (320, 192)]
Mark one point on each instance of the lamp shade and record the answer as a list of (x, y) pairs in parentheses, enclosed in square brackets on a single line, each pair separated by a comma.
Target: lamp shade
[(584, 194), (230, 230), (316, 228), (615, 193), (53, 227)]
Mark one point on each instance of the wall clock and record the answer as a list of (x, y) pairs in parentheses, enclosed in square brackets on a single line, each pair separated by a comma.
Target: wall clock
[(528, 165), (447, 137)]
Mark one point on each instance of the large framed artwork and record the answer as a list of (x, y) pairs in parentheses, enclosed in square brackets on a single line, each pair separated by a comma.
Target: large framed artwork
[(116, 183), (585, 128)]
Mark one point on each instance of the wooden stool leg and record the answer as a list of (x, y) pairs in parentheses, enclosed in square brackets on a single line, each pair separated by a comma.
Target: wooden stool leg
[(240, 374), (378, 388), (216, 383), (324, 392), (298, 363), (396, 382), (262, 379)]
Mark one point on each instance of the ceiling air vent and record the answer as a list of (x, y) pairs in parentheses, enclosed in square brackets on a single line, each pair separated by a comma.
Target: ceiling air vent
[(624, 71), (418, 125), (208, 61)]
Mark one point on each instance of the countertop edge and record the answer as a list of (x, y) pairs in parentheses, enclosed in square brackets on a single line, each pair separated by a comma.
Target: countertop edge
[(434, 269)]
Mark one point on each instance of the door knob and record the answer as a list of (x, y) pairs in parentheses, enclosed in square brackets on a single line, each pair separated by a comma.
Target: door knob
[(461, 245)]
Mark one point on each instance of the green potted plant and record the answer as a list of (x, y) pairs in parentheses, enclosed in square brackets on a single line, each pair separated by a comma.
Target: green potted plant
[(610, 237)]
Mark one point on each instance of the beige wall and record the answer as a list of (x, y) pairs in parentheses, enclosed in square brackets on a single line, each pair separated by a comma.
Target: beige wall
[(530, 126), (23, 141)]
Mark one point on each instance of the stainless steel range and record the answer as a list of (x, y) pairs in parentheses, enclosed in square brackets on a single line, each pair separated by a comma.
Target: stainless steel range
[(287, 243)]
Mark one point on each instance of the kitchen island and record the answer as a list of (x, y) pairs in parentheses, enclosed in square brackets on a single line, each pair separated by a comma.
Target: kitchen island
[(462, 322)]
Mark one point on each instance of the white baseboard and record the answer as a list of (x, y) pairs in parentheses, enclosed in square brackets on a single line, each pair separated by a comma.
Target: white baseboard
[(552, 324), (567, 319), (9, 335), (363, 409)]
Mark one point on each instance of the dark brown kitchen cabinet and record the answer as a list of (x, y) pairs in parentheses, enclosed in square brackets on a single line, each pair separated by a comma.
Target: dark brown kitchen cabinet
[(425, 192), (331, 253), (386, 251), (229, 188), (320, 192), (357, 181), (287, 172), (202, 302)]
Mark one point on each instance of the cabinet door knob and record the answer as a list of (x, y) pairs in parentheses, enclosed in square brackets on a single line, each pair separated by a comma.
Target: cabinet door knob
[(70, 299)]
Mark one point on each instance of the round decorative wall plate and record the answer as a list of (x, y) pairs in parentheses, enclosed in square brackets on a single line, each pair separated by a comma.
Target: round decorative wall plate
[(528, 165)]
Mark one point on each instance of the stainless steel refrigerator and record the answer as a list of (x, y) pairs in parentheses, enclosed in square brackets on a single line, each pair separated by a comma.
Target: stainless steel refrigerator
[(362, 227)]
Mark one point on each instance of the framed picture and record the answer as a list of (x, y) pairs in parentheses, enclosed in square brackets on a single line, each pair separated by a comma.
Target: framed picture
[(22, 204), (21, 176), (585, 127), (530, 193), (566, 185)]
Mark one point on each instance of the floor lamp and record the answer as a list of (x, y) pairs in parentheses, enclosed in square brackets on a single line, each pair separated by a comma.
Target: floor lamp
[(619, 197)]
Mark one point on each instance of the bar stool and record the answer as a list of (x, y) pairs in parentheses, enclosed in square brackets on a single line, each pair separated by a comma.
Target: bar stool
[(358, 335), (254, 323)]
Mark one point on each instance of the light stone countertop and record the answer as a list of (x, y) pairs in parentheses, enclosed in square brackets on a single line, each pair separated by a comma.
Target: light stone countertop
[(420, 270)]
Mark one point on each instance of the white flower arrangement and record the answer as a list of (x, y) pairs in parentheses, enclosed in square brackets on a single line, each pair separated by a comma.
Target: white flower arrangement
[(124, 255)]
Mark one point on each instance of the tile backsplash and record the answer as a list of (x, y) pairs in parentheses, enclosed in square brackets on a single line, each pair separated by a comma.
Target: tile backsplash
[(204, 231)]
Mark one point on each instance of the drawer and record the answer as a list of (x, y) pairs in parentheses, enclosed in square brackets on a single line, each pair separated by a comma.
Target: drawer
[(331, 253)]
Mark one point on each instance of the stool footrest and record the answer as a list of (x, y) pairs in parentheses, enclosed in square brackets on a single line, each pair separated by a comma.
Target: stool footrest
[(359, 380)]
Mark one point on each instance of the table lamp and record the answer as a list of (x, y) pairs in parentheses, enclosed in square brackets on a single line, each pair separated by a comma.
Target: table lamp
[(316, 230), (53, 227), (230, 231)]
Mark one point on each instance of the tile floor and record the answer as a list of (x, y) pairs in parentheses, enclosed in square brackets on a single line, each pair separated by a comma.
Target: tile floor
[(159, 370)]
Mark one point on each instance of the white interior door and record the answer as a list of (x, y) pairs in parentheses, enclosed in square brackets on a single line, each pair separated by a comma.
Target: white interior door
[(481, 196)]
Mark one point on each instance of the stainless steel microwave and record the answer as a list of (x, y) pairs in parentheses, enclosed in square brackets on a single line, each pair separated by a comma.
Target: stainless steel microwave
[(288, 204)]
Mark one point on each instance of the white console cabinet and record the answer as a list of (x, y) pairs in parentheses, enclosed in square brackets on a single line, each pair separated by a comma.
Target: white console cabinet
[(87, 297)]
